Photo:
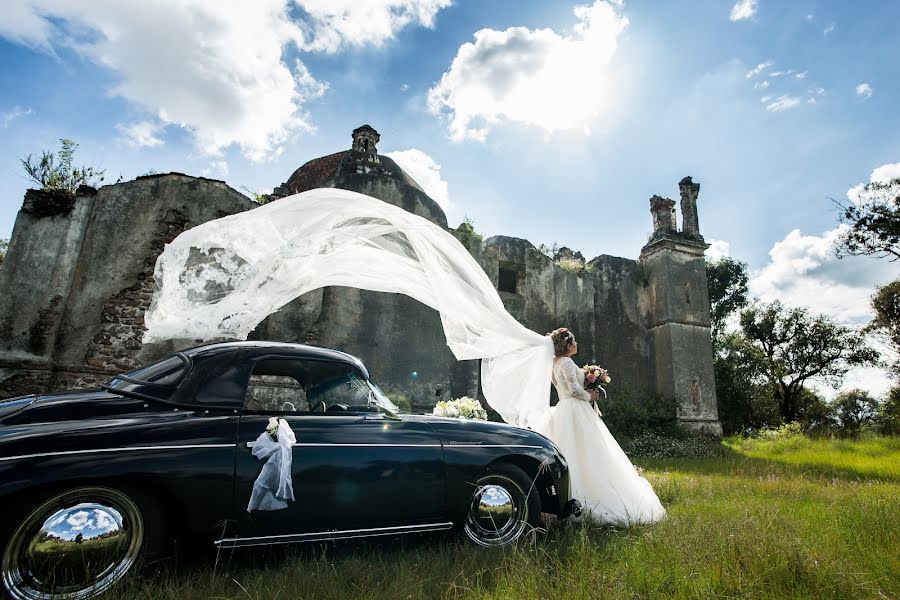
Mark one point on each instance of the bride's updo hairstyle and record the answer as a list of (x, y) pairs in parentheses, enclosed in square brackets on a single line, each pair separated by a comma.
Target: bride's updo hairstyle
[(562, 339)]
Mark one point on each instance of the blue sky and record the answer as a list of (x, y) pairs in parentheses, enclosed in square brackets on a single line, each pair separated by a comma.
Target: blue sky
[(555, 123)]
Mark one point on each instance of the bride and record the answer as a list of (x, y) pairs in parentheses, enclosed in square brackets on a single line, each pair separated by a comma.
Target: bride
[(602, 477)]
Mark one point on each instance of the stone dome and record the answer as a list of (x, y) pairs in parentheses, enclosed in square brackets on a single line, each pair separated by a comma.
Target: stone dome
[(361, 169)]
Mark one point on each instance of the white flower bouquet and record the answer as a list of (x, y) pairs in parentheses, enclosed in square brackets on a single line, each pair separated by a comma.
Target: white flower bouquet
[(461, 408)]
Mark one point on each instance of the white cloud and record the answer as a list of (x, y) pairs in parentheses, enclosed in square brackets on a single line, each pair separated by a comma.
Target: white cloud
[(427, 173), (864, 90), (141, 134), (810, 17), (804, 271), (718, 249), (404, 87), (216, 68), (16, 112), (886, 173), (801, 75), (828, 29), (216, 169), (534, 77), (782, 103), (758, 69), (332, 24), (882, 174), (761, 84), (743, 9)]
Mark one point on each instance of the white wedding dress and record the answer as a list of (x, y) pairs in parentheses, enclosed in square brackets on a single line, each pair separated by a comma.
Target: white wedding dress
[(601, 476)]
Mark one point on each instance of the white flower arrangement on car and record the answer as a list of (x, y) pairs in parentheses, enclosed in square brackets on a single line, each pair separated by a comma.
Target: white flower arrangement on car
[(461, 408)]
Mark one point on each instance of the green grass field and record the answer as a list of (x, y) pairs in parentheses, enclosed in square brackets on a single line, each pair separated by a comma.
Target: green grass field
[(789, 518)]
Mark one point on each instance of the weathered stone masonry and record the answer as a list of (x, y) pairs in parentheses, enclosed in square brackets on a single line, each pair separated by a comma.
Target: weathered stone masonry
[(79, 276)]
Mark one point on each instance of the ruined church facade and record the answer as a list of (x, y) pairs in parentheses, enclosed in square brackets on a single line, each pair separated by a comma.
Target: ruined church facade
[(78, 279)]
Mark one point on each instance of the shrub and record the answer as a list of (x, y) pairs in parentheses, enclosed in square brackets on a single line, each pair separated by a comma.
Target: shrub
[(62, 175), (629, 413), (652, 445)]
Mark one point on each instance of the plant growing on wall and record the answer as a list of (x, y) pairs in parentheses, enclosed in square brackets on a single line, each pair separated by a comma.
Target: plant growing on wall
[(56, 171), (4, 246)]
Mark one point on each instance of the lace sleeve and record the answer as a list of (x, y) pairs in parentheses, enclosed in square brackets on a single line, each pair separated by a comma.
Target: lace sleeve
[(569, 372)]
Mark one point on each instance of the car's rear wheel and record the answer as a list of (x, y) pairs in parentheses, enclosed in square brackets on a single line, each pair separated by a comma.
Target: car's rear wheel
[(76, 544), (504, 505)]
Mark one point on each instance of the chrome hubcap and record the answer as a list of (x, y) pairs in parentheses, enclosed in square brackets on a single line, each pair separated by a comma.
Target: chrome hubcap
[(496, 515), (73, 546)]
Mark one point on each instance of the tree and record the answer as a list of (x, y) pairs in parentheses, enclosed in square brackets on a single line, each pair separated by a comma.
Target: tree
[(855, 409), (797, 347), (888, 420), (54, 172), (874, 222), (816, 416), (4, 246), (745, 397), (886, 305), (727, 280)]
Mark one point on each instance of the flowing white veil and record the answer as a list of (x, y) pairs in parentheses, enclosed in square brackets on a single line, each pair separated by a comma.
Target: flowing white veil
[(222, 278)]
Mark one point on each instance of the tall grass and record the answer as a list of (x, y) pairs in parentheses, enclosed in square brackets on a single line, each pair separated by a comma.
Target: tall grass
[(791, 518)]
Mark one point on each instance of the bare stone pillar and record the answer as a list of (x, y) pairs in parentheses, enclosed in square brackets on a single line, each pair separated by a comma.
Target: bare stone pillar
[(689, 192), (663, 211)]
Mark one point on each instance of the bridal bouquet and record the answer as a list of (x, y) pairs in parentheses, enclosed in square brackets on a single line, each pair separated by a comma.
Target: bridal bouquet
[(461, 408), (594, 379)]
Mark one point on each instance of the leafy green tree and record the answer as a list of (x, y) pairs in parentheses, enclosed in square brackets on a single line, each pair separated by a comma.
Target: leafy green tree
[(53, 172), (745, 397), (816, 416), (728, 287), (886, 324), (888, 420), (874, 222), (797, 346), (855, 409)]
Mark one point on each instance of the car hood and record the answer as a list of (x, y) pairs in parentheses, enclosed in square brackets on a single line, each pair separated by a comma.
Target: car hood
[(64, 406), (476, 432)]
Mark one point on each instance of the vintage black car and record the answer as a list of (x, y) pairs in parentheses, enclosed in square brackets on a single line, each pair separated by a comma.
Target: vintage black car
[(92, 481)]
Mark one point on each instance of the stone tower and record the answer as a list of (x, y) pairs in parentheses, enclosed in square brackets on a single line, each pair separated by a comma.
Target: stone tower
[(678, 311), (365, 138)]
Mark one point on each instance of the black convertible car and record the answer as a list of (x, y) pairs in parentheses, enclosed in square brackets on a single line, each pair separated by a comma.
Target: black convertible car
[(92, 481)]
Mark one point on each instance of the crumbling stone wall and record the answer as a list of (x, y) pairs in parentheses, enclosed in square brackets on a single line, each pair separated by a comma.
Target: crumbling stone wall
[(79, 276), (117, 344)]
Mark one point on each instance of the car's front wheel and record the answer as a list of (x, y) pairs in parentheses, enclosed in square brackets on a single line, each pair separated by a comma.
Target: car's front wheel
[(74, 545), (504, 505)]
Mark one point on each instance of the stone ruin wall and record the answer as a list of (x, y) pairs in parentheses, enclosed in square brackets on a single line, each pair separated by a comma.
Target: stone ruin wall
[(82, 280)]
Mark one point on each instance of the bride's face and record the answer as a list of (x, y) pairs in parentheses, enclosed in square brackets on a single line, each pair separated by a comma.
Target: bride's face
[(573, 349)]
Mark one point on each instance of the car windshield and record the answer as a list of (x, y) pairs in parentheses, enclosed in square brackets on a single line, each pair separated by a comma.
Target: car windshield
[(382, 400), (157, 379)]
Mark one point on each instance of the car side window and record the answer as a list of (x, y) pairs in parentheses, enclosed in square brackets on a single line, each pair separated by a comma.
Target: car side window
[(345, 389), (275, 393), (286, 385)]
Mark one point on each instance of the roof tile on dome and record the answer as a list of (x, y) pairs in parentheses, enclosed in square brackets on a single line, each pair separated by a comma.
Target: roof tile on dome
[(316, 172)]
